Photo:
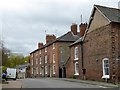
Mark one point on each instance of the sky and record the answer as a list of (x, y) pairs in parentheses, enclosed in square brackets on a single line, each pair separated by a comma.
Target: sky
[(24, 23)]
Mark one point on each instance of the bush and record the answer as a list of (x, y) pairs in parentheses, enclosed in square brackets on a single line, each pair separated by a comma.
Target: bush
[(4, 69), (73, 77)]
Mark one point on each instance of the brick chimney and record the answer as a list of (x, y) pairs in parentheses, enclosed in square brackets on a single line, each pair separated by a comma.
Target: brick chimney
[(82, 28), (50, 38), (74, 28), (40, 45)]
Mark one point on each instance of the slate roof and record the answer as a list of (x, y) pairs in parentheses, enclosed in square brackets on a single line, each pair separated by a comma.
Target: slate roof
[(113, 14), (78, 41), (68, 37)]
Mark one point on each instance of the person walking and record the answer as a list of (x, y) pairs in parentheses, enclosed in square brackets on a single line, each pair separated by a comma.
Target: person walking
[(4, 76)]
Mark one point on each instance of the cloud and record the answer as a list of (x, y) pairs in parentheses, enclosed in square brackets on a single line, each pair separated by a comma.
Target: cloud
[(24, 22)]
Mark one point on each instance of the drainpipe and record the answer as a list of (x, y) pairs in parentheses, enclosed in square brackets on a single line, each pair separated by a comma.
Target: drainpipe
[(33, 65), (82, 61)]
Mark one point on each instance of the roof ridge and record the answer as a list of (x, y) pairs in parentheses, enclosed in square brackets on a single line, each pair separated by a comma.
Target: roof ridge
[(106, 7)]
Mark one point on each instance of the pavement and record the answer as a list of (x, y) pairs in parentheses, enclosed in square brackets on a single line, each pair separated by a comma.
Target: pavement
[(102, 84), (13, 84)]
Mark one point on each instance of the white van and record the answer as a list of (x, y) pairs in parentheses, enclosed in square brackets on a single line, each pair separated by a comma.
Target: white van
[(11, 73)]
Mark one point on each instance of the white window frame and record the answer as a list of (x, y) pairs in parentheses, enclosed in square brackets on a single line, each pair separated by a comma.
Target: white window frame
[(45, 58), (53, 69), (36, 53), (103, 65), (36, 70), (53, 58), (40, 70), (45, 69), (32, 62), (76, 53), (36, 60), (53, 45), (32, 70), (45, 49), (76, 71), (40, 51), (32, 55), (40, 60)]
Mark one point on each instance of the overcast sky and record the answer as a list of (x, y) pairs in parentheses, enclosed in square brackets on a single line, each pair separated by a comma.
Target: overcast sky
[(23, 22)]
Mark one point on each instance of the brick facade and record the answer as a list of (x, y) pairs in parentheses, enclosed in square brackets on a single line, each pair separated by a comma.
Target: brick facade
[(57, 53), (98, 44), (93, 47)]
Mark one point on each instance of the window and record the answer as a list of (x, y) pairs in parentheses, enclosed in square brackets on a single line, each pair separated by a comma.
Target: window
[(76, 53), (36, 61), (53, 69), (37, 70), (40, 51), (53, 58), (76, 68), (53, 45), (46, 49), (32, 70), (40, 70), (40, 60), (105, 68), (36, 53), (32, 55), (45, 69), (45, 58), (32, 62)]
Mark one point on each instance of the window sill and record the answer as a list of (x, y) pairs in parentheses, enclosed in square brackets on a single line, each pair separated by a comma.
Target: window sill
[(76, 74), (106, 76), (76, 59)]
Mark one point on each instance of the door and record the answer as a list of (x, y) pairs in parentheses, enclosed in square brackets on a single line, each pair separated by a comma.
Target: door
[(60, 72)]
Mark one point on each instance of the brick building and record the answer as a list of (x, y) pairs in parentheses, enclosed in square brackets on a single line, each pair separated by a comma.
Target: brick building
[(49, 59), (98, 50)]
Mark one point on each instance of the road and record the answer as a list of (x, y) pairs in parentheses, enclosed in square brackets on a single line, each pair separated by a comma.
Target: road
[(53, 83)]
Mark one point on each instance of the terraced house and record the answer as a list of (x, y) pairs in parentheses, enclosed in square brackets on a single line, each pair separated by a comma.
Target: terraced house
[(49, 59), (96, 55)]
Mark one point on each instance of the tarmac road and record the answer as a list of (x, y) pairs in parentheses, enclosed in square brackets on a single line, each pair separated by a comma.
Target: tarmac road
[(52, 83)]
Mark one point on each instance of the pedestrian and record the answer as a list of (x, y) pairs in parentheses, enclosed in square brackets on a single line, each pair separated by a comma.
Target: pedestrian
[(4, 76)]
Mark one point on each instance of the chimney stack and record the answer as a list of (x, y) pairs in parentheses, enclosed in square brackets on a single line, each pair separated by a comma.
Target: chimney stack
[(82, 28), (50, 38), (74, 28), (40, 45)]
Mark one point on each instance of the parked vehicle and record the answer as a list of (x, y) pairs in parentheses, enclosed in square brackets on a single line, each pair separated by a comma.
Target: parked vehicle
[(11, 73)]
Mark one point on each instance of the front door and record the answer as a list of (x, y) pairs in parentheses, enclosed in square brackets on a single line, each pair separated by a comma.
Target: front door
[(60, 72)]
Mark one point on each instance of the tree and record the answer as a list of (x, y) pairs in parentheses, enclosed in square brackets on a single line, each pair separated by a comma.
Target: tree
[(4, 53), (15, 60)]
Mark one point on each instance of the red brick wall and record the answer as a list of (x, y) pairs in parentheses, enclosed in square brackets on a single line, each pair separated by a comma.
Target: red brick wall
[(115, 32), (97, 46), (70, 66)]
